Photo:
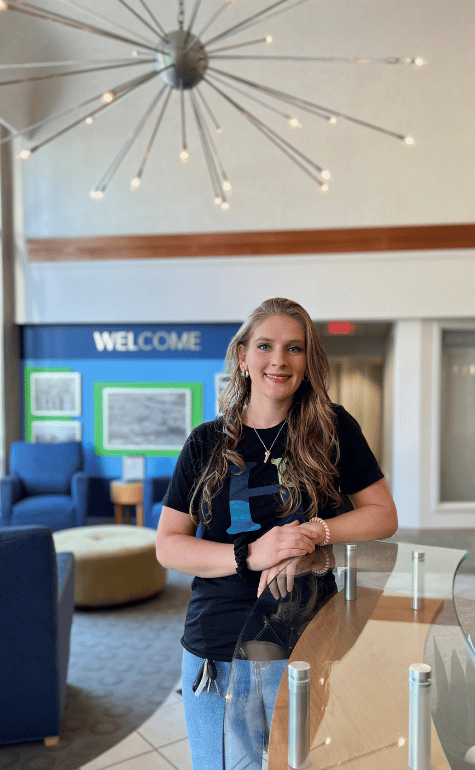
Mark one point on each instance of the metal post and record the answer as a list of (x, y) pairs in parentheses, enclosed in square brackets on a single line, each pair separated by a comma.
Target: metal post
[(419, 716), (417, 579), (299, 714), (350, 574)]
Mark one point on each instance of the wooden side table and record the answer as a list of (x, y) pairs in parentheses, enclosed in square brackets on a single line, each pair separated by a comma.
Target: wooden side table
[(124, 494)]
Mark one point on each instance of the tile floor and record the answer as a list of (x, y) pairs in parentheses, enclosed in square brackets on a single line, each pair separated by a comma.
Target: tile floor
[(160, 743)]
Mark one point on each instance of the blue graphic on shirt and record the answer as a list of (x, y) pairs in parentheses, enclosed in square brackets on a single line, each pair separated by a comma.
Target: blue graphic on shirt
[(239, 496)]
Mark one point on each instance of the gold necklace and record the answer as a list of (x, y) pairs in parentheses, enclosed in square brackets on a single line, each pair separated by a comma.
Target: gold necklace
[(267, 451)]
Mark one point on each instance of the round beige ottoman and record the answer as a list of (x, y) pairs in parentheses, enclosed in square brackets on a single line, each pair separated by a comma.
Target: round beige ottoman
[(114, 564)]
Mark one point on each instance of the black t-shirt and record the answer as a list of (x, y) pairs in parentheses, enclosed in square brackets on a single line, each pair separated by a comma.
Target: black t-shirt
[(250, 502)]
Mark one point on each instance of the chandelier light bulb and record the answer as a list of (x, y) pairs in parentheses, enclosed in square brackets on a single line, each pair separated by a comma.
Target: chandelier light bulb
[(409, 141), (96, 194), (326, 175), (24, 154), (218, 201), (184, 155), (225, 206), (219, 130), (227, 186), (89, 121), (295, 123), (135, 53), (3, 5), (419, 61), (269, 39), (332, 120), (324, 188), (107, 97), (135, 183)]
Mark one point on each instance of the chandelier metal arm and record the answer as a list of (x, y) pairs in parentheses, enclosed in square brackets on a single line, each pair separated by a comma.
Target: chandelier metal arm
[(210, 163), (95, 15), (246, 22), (45, 121), (214, 149), (236, 45), (309, 106), (140, 18), (209, 111), (273, 136), (154, 134), (153, 17), (183, 124), (250, 24), (69, 63), (332, 59), (122, 91), (41, 13), (51, 75), (192, 18), (295, 101), (254, 99), (213, 19), (125, 91), (129, 141)]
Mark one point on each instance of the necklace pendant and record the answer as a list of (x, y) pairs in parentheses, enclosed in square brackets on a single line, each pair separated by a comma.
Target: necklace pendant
[(267, 455)]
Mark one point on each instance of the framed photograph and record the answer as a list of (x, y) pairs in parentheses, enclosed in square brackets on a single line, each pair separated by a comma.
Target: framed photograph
[(220, 382), (55, 431), (145, 418), (55, 394)]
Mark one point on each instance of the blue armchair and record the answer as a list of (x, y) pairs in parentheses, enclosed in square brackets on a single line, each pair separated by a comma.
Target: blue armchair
[(36, 607), (46, 486), (154, 488)]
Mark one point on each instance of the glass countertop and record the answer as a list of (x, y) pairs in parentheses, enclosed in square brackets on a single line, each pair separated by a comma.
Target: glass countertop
[(359, 632)]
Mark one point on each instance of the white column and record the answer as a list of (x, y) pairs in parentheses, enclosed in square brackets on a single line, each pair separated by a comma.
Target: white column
[(9, 336), (407, 421)]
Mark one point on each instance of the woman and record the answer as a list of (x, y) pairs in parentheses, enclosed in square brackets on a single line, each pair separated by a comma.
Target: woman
[(264, 482)]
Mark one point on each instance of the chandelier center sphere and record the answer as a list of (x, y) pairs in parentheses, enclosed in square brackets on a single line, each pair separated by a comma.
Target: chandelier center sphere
[(185, 57)]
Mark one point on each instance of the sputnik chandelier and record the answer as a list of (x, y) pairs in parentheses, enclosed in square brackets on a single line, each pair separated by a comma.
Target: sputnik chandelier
[(186, 60)]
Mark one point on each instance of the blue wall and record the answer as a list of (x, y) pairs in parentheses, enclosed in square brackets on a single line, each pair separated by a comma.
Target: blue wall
[(128, 353)]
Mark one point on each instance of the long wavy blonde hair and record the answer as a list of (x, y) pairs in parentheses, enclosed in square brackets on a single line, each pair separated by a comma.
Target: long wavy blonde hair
[(311, 453)]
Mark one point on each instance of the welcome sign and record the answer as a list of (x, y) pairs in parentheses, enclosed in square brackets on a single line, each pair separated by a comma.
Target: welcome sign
[(85, 341)]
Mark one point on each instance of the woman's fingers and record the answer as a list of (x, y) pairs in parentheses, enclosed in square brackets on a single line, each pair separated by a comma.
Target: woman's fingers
[(279, 579), (278, 544)]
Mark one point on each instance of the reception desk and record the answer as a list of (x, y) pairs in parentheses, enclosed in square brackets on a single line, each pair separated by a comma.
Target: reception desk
[(360, 650)]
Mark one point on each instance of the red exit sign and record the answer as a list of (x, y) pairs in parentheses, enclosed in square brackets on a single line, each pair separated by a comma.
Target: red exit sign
[(341, 327)]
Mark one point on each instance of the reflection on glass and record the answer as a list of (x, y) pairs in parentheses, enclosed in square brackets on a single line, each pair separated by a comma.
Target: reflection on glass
[(360, 652)]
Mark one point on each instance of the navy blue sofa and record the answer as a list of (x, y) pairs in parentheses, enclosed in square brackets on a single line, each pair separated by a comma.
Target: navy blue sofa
[(46, 486), (154, 488), (36, 611)]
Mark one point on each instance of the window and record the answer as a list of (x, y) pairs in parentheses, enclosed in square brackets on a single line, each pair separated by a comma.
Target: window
[(457, 418)]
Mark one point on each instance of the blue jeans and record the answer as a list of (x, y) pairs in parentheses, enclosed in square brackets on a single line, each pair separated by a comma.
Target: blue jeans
[(245, 723)]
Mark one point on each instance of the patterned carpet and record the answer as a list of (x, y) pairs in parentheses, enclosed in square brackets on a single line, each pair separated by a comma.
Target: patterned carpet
[(124, 662)]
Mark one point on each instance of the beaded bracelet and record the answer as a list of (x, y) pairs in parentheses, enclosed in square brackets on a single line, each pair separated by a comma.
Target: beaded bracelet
[(325, 527), (325, 568)]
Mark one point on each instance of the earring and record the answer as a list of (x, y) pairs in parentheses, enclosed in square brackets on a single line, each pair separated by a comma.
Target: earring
[(244, 373)]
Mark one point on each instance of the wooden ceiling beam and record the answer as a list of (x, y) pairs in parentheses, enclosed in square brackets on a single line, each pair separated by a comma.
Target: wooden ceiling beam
[(252, 243)]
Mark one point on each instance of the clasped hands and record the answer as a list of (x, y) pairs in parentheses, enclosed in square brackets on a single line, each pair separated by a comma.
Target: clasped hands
[(277, 551)]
